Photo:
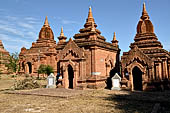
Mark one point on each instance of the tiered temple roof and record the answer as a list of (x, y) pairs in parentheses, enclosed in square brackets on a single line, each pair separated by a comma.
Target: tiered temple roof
[(46, 36), (2, 49), (44, 42), (145, 39), (4, 55), (90, 36)]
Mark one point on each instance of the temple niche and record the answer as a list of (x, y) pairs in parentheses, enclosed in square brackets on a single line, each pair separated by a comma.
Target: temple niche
[(4, 55), (146, 65), (87, 61)]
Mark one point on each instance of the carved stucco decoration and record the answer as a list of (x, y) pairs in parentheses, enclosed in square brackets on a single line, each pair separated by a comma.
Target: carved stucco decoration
[(109, 61), (136, 53), (136, 64), (71, 48)]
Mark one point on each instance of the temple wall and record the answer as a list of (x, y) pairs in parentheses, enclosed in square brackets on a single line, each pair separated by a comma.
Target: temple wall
[(100, 58), (88, 63)]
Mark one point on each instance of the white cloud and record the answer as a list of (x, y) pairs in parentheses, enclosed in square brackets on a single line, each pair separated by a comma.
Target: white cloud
[(11, 30), (31, 34), (5, 37), (16, 32), (25, 25), (3, 22), (30, 18), (69, 22), (32, 22), (13, 18)]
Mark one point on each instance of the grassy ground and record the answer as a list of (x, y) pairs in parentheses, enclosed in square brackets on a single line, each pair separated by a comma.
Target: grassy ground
[(7, 81), (86, 101)]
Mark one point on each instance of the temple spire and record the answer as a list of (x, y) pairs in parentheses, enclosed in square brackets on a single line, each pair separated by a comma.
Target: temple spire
[(90, 16), (62, 33), (62, 38), (114, 36), (144, 12), (114, 41), (46, 22)]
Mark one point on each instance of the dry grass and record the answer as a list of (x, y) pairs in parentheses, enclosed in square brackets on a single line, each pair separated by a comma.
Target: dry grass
[(7, 81), (86, 101)]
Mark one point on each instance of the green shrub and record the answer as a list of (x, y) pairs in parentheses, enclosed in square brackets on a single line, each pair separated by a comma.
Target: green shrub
[(49, 70), (45, 69)]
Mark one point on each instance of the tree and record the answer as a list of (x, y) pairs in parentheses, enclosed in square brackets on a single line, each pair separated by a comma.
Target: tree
[(41, 69), (13, 63), (49, 70), (45, 69)]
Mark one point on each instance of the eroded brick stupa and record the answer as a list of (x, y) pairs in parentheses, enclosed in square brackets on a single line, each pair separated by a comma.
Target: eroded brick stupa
[(147, 64), (86, 61), (4, 55)]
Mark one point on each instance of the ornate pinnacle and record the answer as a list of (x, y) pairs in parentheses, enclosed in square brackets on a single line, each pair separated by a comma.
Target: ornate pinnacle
[(62, 38), (144, 12), (114, 41), (114, 36), (46, 22), (61, 34), (90, 15)]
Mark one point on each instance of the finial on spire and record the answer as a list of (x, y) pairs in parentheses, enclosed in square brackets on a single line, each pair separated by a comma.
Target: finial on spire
[(62, 33), (144, 8), (114, 36), (114, 41), (144, 12), (90, 15), (46, 22), (62, 38)]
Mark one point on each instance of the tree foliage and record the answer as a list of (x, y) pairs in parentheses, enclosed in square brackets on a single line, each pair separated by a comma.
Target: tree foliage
[(41, 69), (45, 69), (13, 63)]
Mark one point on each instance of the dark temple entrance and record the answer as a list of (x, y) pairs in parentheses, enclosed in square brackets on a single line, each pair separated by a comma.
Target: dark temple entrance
[(70, 76), (137, 78), (29, 67), (109, 81)]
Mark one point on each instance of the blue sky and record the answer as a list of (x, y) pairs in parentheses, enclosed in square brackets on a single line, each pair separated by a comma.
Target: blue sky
[(21, 20)]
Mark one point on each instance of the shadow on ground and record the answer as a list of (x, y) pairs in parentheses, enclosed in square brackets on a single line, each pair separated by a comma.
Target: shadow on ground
[(140, 102)]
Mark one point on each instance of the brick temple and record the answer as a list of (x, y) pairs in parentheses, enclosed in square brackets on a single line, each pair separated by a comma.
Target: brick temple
[(4, 55), (85, 61), (146, 65)]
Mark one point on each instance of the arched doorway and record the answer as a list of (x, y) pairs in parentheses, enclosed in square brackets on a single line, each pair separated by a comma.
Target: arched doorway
[(29, 67), (23, 66), (70, 76), (109, 81), (137, 78)]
